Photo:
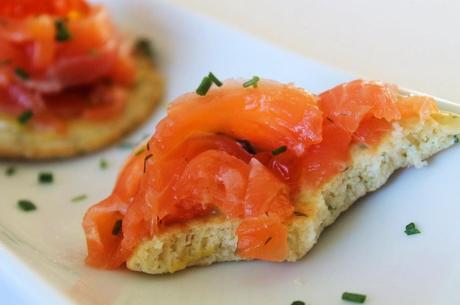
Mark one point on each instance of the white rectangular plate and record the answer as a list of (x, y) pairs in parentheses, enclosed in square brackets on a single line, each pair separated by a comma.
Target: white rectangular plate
[(365, 251)]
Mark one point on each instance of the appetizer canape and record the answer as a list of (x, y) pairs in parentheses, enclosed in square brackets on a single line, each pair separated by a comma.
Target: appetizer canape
[(70, 82), (256, 170)]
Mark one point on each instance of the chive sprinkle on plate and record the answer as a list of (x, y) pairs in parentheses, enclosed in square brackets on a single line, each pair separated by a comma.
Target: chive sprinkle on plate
[(144, 46), (411, 229), (10, 171), (79, 198), (279, 150), (26, 205), (252, 82), (62, 31), (214, 79), (21, 73), (204, 86), (25, 116), (103, 164), (45, 177), (354, 297)]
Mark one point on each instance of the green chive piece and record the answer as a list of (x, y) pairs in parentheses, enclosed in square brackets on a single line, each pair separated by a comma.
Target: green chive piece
[(204, 86), (10, 171), (456, 139), (21, 73), (26, 205), (45, 178), (103, 164), (354, 297), (62, 32), (411, 229), (117, 227), (252, 82), (214, 79), (298, 303), (25, 116), (79, 198), (144, 46), (279, 150)]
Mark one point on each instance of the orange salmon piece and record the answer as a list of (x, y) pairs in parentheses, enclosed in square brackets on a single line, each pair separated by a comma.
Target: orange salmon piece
[(417, 106), (269, 116), (348, 104), (327, 158), (371, 131)]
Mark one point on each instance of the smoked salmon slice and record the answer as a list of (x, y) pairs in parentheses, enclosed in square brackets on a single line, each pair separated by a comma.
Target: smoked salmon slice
[(348, 104), (271, 115)]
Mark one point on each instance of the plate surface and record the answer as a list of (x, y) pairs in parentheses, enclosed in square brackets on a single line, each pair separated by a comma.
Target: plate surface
[(365, 251)]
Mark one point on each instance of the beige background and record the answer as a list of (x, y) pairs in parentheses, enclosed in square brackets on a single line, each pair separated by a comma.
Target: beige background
[(413, 43)]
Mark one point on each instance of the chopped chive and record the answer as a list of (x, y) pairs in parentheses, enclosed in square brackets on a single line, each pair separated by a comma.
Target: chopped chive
[(25, 116), (456, 139), (247, 146), (117, 227), (10, 171), (103, 164), (214, 79), (26, 205), (298, 303), (145, 161), (45, 178), (252, 82), (21, 73), (411, 229), (62, 32), (79, 198), (144, 46), (354, 297), (204, 86), (279, 150)]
